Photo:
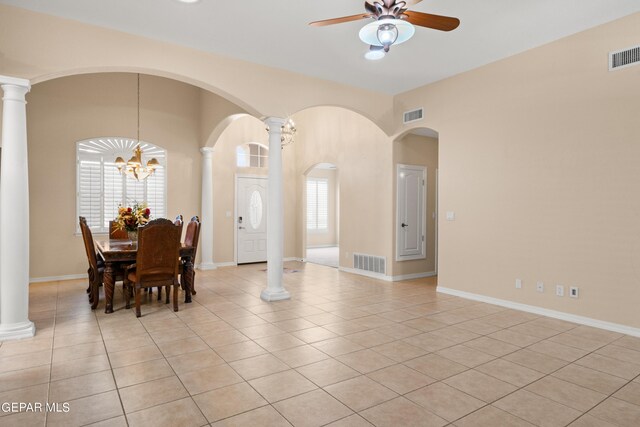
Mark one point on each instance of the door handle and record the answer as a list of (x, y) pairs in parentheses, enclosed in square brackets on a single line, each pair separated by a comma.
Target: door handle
[(240, 228), (404, 225)]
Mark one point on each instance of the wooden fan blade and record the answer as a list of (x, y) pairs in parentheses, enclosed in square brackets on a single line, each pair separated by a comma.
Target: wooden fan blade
[(340, 20), (437, 22)]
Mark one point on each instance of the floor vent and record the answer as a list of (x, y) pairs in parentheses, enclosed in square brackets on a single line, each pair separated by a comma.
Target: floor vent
[(375, 264), (412, 116), (624, 58)]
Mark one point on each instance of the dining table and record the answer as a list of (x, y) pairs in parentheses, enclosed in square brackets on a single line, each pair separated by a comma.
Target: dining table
[(119, 253)]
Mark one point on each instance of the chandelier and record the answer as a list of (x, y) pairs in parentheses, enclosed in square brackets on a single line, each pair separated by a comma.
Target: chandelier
[(134, 167), (287, 131)]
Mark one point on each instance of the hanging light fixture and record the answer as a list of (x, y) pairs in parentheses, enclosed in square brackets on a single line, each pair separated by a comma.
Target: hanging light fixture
[(386, 31), (134, 168), (288, 131)]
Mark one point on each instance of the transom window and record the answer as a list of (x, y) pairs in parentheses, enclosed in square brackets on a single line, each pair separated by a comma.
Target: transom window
[(317, 204), (252, 155), (101, 188)]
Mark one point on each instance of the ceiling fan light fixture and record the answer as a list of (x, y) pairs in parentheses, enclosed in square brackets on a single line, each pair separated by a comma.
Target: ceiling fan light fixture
[(374, 33), (375, 53), (387, 35)]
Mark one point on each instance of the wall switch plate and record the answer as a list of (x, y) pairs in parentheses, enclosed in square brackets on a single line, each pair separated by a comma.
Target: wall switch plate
[(518, 284), (540, 287), (560, 290), (573, 291), (451, 216)]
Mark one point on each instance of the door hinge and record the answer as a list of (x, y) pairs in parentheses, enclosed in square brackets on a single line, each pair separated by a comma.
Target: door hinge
[(423, 238)]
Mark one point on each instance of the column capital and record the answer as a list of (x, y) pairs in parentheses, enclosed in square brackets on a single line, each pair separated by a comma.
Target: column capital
[(274, 123), (206, 151), (15, 81)]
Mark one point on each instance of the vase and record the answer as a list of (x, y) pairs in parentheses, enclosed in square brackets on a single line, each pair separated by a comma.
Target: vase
[(133, 235)]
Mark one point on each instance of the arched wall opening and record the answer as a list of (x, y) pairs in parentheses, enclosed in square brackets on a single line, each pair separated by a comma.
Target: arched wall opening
[(321, 219), (361, 151), (416, 149), (62, 111)]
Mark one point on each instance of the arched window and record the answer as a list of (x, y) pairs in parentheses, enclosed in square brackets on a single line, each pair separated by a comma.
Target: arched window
[(252, 155), (101, 187)]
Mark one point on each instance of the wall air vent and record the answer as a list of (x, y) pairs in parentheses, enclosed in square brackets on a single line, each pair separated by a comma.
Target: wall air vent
[(412, 116), (624, 58), (372, 263)]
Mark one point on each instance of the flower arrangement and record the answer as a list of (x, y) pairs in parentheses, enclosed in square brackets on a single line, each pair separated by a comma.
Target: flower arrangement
[(131, 217)]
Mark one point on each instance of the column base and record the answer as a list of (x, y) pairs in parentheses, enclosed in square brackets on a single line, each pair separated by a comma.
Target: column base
[(207, 266), (17, 331), (269, 295)]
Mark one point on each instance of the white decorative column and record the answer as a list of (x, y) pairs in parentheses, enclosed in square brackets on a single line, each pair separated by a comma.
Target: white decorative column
[(14, 213), (206, 229), (275, 215)]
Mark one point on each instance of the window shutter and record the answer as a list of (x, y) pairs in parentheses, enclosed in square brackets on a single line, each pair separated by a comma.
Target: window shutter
[(113, 192), (155, 194), (89, 192), (134, 191), (322, 204), (101, 187)]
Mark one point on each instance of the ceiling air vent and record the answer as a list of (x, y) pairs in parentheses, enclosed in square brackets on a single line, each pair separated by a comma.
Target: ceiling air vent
[(624, 58), (412, 116)]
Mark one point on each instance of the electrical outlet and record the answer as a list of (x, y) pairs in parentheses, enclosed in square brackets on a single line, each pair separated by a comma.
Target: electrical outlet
[(560, 290), (540, 287), (573, 291), (518, 284)]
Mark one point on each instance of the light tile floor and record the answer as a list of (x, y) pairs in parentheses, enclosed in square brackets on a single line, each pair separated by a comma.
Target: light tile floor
[(346, 350)]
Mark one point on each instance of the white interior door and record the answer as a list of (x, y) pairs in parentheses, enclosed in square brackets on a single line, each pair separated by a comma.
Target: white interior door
[(251, 220), (410, 218)]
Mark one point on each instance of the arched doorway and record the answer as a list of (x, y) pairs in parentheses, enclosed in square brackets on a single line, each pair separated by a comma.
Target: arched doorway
[(322, 221)]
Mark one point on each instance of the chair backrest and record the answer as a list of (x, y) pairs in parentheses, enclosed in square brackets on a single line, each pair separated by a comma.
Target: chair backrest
[(89, 247), (115, 233), (158, 251), (192, 235), (179, 220)]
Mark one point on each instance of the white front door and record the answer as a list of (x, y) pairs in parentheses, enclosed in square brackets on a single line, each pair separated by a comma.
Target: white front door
[(251, 220), (410, 219)]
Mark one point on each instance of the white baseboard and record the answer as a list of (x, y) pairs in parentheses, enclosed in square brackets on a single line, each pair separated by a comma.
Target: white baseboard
[(371, 274), (322, 246), (226, 264), (588, 321), (413, 276), (57, 278), (385, 277), (293, 259)]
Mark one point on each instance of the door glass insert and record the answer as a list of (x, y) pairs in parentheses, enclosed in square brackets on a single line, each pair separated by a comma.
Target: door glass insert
[(255, 209)]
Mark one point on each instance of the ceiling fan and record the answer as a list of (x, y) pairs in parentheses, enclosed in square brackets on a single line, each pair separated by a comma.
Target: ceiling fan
[(393, 24)]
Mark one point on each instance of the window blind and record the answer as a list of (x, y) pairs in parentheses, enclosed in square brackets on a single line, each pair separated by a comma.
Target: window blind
[(317, 204), (101, 187)]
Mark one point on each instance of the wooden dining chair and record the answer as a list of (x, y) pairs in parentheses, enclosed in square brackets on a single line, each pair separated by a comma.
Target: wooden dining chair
[(95, 270), (178, 222), (115, 233), (191, 238), (156, 261)]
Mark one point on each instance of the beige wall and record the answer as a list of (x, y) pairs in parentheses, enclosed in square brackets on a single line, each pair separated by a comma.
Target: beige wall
[(362, 153), (328, 237), (539, 160), (418, 151), (64, 111)]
